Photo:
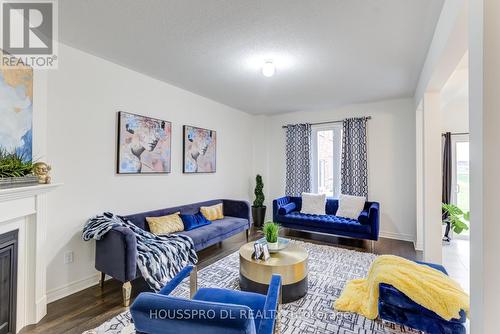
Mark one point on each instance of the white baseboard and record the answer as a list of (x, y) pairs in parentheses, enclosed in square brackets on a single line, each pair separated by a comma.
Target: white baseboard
[(397, 236), (419, 246), (71, 288)]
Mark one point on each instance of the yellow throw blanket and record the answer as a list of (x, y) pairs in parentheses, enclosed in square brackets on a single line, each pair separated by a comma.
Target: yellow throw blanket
[(424, 285)]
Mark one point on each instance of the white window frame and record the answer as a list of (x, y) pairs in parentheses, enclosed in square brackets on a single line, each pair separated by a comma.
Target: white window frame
[(337, 154), (454, 176), (454, 185)]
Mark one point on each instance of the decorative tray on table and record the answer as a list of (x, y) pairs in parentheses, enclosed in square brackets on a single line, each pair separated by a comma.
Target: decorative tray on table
[(282, 244)]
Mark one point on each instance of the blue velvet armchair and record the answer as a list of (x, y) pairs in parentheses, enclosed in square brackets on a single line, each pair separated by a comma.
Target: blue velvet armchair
[(210, 311)]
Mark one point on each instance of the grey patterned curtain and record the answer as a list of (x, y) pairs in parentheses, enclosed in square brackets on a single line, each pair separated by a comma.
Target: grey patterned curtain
[(298, 159), (354, 171)]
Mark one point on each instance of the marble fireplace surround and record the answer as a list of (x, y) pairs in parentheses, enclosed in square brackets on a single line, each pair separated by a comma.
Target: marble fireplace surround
[(25, 209)]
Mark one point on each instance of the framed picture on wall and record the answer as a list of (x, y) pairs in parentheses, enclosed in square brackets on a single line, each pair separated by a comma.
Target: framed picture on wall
[(200, 150), (144, 144)]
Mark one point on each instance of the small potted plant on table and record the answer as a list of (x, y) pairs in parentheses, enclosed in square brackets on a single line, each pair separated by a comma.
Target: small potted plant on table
[(258, 207), (271, 231)]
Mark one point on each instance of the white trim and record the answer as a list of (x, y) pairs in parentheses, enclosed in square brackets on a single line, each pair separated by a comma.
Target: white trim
[(337, 155), (25, 209), (397, 236), (71, 288), (10, 194), (418, 245)]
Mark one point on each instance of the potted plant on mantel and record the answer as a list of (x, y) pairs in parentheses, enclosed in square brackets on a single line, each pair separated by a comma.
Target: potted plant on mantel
[(271, 232), (258, 207), (15, 171)]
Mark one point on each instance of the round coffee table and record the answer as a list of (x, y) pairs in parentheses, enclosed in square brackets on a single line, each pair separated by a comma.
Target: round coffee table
[(290, 263)]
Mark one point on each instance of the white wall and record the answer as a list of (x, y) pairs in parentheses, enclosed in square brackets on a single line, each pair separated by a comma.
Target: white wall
[(455, 100), (391, 158), (484, 34), (84, 95)]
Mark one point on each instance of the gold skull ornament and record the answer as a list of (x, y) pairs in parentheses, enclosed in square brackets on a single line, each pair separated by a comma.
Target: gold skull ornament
[(41, 170)]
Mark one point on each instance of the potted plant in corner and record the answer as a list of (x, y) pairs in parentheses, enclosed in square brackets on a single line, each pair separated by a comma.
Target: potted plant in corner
[(271, 232), (258, 207), (455, 219)]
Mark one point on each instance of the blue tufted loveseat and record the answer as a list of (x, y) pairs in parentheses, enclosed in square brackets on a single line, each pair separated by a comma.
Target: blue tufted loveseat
[(286, 212)]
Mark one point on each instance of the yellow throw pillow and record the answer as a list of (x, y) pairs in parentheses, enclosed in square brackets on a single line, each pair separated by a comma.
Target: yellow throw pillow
[(165, 224), (213, 212)]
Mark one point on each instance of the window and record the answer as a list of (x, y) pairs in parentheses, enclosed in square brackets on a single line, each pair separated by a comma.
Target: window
[(460, 195), (326, 157)]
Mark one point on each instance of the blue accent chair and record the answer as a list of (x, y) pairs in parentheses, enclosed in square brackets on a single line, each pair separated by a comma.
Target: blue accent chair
[(210, 311), (394, 306), (286, 212)]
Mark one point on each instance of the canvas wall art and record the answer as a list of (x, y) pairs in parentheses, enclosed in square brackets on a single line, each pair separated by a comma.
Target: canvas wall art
[(16, 111), (144, 144), (200, 148)]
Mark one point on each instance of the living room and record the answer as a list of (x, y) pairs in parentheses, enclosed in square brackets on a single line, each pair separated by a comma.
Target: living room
[(148, 109)]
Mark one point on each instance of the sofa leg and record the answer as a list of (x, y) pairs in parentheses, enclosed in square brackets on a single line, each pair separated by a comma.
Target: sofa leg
[(127, 291), (246, 233), (101, 281), (372, 246), (193, 282)]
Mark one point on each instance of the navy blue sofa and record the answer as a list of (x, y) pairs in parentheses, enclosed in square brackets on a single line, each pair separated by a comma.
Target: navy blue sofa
[(286, 212), (116, 251)]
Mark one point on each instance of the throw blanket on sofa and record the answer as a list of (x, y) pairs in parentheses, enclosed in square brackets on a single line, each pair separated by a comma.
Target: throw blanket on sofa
[(426, 286), (159, 258)]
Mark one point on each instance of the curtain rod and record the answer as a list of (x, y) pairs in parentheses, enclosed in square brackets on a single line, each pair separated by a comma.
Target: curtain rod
[(457, 133), (329, 122)]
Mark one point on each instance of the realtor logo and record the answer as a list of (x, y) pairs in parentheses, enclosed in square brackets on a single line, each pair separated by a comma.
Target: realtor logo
[(28, 30)]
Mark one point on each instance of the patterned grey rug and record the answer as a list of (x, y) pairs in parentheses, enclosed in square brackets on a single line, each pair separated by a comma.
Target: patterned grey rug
[(329, 270)]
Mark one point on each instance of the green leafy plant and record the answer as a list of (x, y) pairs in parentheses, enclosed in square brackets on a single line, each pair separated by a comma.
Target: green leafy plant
[(13, 165), (456, 217), (259, 194), (271, 231)]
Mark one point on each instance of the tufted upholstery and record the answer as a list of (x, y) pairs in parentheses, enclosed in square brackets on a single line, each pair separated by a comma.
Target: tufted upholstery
[(327, 222), (286, 211)]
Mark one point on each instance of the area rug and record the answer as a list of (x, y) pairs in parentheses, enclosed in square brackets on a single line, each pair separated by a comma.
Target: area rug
[(329, 270)]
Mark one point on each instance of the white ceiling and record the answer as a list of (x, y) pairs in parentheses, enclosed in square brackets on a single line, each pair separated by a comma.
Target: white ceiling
[(327, 52)]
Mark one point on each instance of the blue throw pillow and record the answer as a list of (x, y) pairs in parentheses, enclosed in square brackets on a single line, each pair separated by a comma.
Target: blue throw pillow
[(287, 208), (194, 221)]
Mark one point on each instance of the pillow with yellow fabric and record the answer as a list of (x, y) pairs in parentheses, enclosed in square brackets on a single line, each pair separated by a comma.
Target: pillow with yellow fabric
[(165, 224), (213, 212)]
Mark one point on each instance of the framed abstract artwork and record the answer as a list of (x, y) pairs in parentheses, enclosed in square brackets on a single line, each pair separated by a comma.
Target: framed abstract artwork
[(200, 150), (144, 144), (16, 111)]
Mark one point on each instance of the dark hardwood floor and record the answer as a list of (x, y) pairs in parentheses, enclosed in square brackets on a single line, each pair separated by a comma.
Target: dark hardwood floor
[(91, 307)]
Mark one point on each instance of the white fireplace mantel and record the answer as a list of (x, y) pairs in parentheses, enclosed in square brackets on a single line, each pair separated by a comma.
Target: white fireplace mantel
[(25, 209), (9, 194)]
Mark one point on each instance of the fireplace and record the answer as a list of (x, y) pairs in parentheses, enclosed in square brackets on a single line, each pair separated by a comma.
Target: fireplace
[(8, 281)]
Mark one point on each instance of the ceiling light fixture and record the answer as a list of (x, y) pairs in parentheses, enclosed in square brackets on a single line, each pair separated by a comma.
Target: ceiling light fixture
[(268, 69)]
